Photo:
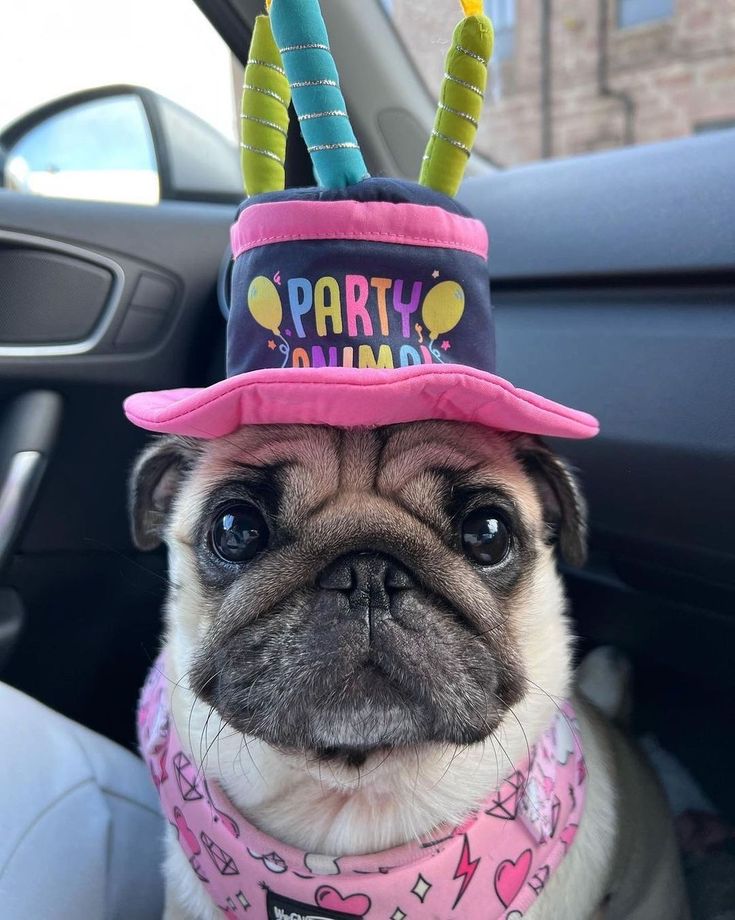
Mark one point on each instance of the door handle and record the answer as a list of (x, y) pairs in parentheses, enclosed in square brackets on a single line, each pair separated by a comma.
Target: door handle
[(28, 430)]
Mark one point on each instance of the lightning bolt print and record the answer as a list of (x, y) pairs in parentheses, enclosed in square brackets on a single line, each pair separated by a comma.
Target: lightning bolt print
[(466, 868)]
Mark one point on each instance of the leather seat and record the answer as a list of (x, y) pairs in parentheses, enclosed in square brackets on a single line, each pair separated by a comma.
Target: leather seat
[(80, 828)]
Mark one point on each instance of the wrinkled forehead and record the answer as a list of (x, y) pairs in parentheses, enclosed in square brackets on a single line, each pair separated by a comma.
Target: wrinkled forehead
[(384, 460)]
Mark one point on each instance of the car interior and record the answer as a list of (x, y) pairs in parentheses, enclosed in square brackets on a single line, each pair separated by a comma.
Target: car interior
[(613, 282)]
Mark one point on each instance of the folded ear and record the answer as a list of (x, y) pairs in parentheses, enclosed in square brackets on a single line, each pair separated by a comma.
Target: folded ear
[(154, 482), (564, 506)]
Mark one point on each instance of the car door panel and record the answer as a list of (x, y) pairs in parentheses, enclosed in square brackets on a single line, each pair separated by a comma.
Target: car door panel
[(89, 602), (614, 285), (613, 279)]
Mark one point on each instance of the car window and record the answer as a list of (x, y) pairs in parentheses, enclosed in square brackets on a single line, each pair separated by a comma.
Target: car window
[(587, 74), (102, 148)]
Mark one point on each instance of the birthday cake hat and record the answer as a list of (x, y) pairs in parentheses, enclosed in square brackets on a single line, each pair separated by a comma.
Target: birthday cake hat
[(363, 301)]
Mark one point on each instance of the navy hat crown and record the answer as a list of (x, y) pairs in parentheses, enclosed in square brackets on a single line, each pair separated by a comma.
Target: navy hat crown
[(361, 296)]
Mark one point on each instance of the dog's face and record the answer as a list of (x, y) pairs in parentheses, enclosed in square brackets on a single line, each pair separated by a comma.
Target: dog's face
[(346, 592)]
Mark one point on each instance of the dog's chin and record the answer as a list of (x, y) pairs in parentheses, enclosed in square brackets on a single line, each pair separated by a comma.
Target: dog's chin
[(373, 721), (370, 712), (375, 717)]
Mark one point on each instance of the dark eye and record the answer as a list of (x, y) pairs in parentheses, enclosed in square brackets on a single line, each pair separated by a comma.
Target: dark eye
[(486, 536), (238, 533)]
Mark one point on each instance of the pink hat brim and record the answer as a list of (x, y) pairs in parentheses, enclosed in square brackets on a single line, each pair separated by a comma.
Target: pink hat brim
[(350, 397)]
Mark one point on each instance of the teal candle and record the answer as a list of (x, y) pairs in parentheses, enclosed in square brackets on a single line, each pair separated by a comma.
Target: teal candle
[(301, 36)]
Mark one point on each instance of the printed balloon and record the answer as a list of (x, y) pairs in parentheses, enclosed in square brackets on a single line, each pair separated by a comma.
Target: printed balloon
[(443, 308), (264, 304)]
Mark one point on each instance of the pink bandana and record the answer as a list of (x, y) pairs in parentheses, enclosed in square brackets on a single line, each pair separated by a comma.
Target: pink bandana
[(492, 867)]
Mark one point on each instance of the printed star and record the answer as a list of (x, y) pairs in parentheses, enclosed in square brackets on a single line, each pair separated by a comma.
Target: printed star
[(398, 914), (445, 346), (288, 332), (421, 888), (271, 345), (435, 273)]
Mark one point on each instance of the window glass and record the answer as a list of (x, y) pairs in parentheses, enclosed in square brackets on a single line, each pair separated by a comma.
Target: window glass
[(50, 49), (670, 76), (97, 150), (503, 15), (634, 12), (705, 126)]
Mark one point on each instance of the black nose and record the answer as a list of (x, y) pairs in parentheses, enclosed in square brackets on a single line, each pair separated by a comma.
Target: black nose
[(370, 575)]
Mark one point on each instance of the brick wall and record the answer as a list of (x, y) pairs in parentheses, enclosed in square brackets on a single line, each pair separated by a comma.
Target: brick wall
[(678, 73)]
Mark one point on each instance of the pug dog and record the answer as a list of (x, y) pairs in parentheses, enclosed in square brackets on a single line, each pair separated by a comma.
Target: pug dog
[(365, 630)]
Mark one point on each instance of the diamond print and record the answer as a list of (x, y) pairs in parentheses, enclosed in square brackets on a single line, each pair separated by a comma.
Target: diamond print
[(540, 879), (186, 778), (222, 860), (398, 914), (505, 803)]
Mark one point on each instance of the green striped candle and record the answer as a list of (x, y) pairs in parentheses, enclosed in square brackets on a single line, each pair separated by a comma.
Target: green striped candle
[(265, 99), (460, 103)]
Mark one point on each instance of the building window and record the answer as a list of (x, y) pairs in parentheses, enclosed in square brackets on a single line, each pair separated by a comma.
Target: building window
[(636, 12), (724, 124), (503, 15)]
